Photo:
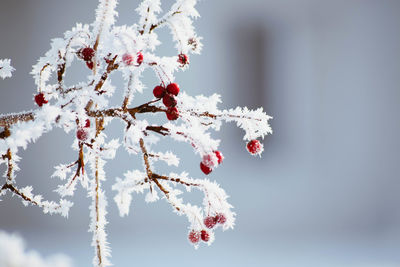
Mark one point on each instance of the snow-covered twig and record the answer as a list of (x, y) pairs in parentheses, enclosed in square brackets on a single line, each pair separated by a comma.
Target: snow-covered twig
[(84, 109)]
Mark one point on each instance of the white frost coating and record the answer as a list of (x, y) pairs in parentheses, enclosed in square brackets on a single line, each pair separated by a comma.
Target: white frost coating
[(133, 135), (5, 68), (14, 254), (194, 134), (133, 182), (50, 207), (253, 122), (98, 214), (148, 10), (105, 17), (168, 157)]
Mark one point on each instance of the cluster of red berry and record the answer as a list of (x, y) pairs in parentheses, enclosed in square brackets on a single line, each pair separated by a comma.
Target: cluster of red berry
[(209, 222), (129, 59), (168, 98), (207, 164), (82, 133)]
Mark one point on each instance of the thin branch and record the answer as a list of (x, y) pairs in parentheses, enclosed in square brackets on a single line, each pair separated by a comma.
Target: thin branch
[(158, 129), (163, 20), (13, 189), (111, 66), (7, 120), (97, 190), (176, 180)]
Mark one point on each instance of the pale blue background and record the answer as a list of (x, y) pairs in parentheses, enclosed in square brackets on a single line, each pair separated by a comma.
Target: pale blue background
[(326, 191)]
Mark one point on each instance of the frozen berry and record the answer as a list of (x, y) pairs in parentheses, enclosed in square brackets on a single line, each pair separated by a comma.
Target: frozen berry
[(220, 218), (209, 160), (183, 59), (169, 100), (86, 53), (205, 236), (40, 99), (172, 113), (204, 168), (210, 222), (173, 89), (219, 156), (139, 58), (194, 236), (87, 123), (159, 91), (254, 147), (82, 134), (128, 59), (89, 64)]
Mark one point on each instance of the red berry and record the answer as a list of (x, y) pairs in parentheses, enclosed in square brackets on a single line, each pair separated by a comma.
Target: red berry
[(183, 59), (210, 222), (194, 236), (87, 123), (86, 53), (173, 89), (219, 156), (159, 91), (127, 59), (82, 134), (40, 99), (205, 236), (254, 147), (139, 58), (89, 64), (220, 218), (169, 100), (172, 113), (207, 170)]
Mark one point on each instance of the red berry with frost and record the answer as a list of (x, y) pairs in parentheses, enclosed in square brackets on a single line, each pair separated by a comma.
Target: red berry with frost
[(159, 91), (220, 218), (210, 222), (183, 59), (205, 236), (204, 168), (210, 161), (128, 59), (172, 113), (40, 99), (139, 58), (86, 53), (169, 101), (254, 147), (87, 123), (194, 236), (219, 156), (82, 134), (90, 64), (173, 89)]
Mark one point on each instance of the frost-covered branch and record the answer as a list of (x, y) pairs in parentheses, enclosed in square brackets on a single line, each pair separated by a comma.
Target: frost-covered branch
[(168, 111)]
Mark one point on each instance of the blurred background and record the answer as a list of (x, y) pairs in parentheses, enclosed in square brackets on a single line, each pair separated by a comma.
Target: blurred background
[(326, 191)]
